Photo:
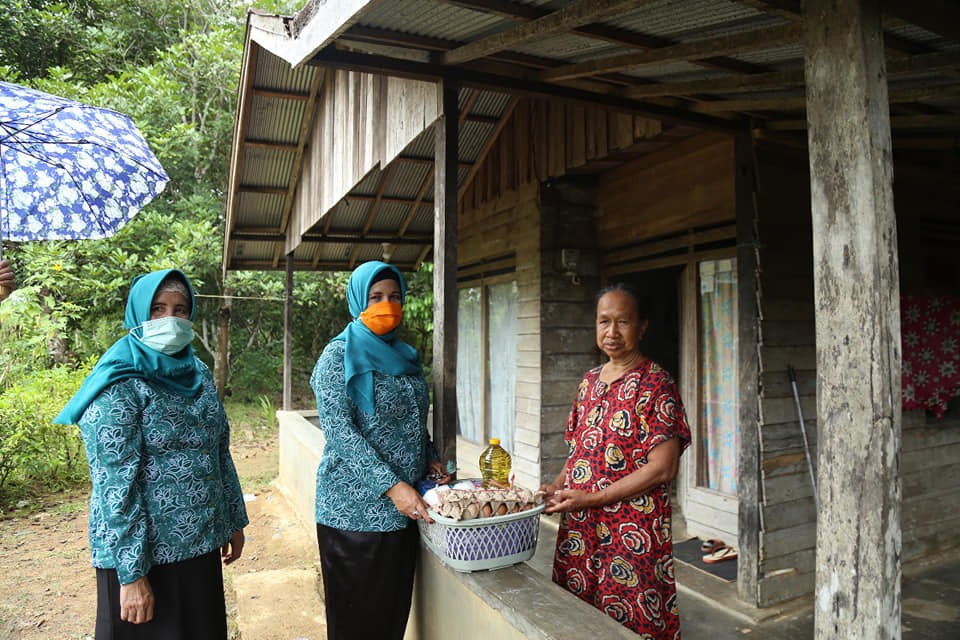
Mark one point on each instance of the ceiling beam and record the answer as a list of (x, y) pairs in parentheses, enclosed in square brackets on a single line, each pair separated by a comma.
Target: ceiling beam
[(518, 62), (698, 49), (570, 17), (941, 123), (936, 16), (596, 31), (798, 102), (241, 264), (383, 65), (271, 146), (728, 84), (270, 234), (280, 95), (267, 191), (927, 63)]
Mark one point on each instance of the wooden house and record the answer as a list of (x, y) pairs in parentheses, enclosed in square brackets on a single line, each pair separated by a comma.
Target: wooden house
[(734, 159)]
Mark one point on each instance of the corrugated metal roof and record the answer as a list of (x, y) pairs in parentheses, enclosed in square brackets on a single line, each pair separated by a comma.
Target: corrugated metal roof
[(277, 102), (407, 179), (431, 18)]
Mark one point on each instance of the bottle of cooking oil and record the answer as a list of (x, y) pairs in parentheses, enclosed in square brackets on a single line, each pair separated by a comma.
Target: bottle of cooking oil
[(495, 465)]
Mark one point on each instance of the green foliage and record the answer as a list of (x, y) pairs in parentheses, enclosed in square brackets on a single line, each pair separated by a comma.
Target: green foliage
[(26, 332), (172, 66), (418, 316), (268, 412), (35, 454)]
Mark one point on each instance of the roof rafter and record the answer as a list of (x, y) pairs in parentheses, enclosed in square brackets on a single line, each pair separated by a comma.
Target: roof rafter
[(737, 43), (598, 31), (385, 65), (572, 16)]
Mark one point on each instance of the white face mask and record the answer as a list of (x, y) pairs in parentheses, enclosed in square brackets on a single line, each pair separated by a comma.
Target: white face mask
[(167, 335)]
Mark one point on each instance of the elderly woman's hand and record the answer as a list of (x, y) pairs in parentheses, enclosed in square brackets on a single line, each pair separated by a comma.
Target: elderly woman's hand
[(136, 601), (563, 500), (408, 501)]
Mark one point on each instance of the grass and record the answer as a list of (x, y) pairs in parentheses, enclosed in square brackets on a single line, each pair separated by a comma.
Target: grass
[(251, 421), (257, 481)]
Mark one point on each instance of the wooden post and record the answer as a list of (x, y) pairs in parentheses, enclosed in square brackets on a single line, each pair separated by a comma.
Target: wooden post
[(288, 337), (748, 455), (223, 342), (445, 278), (857, 297)]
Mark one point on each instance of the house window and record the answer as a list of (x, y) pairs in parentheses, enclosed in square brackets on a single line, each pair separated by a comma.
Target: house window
[(487, 362)]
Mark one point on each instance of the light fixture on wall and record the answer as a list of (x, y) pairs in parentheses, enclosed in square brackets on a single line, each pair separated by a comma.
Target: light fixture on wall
[(569, 259), (387, 250)]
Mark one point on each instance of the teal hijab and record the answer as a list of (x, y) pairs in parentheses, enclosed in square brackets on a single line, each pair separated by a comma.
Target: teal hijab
[(365, 351), (130, 358)]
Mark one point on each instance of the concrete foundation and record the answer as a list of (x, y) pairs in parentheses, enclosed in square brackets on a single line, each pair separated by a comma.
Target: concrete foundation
[(513, 602)]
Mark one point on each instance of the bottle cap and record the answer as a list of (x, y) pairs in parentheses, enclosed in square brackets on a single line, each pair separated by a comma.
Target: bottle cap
[(494, 440)]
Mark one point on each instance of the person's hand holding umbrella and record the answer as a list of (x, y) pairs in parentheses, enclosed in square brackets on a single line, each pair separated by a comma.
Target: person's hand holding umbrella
[(8, 281)]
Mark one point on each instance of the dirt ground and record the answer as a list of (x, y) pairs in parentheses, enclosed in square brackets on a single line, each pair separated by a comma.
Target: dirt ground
[(48, 588)]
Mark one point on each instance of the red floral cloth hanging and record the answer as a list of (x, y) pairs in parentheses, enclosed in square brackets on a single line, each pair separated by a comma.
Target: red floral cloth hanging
[(930, 327)]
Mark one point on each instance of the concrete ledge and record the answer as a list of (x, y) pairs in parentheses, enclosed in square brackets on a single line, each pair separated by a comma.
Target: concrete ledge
[(301, 444), (513, 602)]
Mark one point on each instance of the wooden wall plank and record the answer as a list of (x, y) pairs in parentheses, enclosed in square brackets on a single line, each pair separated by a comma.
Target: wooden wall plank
[(647, 199)]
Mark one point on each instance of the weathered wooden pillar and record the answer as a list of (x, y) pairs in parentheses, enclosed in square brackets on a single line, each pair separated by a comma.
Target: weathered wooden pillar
[(288, 337), (856, 292), (748, 456), (446, 166)]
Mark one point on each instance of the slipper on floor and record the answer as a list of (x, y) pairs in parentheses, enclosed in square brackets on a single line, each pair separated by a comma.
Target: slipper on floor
[(709, 546), (721, 554)]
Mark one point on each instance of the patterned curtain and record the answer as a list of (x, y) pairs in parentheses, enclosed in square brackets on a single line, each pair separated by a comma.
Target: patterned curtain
[(469, 352), (502, 347), (718, 328)]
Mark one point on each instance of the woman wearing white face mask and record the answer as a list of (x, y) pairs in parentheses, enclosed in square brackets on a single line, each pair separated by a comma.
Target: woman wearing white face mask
[(166, 502)]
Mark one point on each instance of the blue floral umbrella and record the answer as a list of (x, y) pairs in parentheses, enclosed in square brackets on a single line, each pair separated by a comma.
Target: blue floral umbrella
[(69, 171)]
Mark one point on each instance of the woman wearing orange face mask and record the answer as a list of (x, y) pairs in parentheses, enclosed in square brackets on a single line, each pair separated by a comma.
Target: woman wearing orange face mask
[(372, 400)]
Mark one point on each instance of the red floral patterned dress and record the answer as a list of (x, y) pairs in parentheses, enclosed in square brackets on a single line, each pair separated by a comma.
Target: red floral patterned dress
[(619, 557)]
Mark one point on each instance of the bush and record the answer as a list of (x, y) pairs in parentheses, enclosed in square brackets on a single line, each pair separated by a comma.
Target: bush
[(37, 456)]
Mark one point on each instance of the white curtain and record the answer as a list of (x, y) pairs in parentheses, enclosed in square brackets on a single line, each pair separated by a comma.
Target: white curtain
[(502, 346), (718, 339), (469, 353)]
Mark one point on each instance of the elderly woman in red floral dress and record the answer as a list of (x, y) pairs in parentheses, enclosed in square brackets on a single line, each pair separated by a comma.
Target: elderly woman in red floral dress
[(625, 433)]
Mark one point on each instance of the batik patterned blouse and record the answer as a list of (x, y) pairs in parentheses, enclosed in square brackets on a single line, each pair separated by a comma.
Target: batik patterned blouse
[(619, 557), (164, 485), (366, 454)]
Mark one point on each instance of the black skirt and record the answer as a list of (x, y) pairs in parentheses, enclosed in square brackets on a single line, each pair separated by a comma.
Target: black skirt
[(188, 603), (367, 581)]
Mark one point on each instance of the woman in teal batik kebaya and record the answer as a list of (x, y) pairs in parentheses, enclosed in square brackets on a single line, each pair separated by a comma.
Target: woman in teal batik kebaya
[(372, 400), (166, 505)]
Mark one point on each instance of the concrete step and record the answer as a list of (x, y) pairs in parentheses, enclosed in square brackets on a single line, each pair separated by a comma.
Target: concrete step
[(276, 582), (282, 604)]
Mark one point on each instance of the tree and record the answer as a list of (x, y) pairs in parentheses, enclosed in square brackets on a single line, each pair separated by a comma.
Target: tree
[(173, 66)]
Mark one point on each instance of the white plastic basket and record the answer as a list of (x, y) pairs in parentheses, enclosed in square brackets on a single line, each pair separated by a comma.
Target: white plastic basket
[(483, 543)]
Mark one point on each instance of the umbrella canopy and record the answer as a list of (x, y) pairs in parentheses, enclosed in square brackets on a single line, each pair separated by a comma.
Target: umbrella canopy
[(69, 171)]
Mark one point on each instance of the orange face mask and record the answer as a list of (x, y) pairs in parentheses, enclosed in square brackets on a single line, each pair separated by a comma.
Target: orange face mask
[(382, 317)]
